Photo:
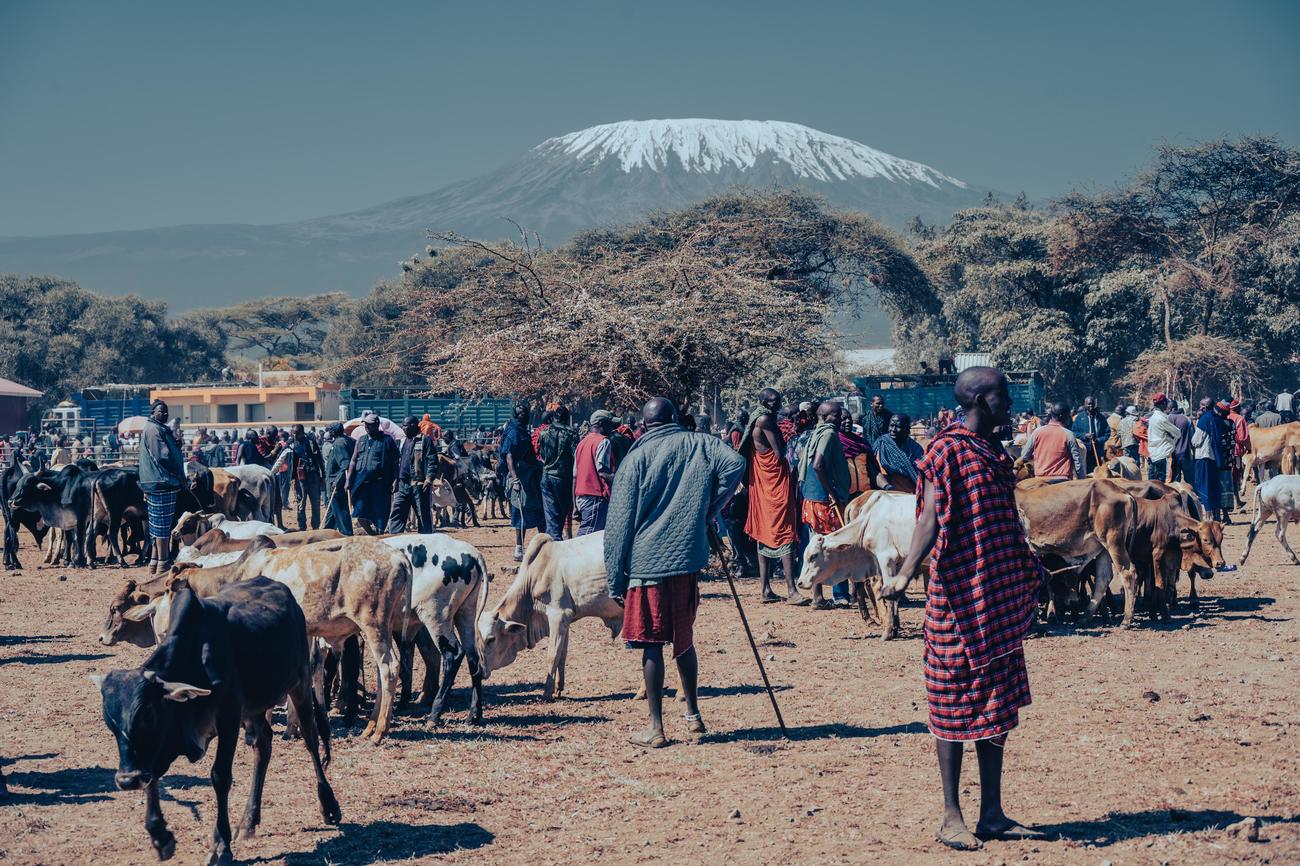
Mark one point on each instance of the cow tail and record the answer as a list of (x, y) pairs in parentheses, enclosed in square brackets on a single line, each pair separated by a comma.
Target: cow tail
[(481, 604)]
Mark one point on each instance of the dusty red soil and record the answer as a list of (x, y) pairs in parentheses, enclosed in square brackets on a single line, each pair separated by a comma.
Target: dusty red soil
[(1119, 775)]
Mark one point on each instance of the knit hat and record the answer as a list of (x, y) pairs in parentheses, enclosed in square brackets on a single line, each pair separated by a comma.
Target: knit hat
[(1158, 398)]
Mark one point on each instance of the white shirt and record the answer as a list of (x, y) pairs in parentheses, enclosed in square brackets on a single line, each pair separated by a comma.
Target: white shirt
[(1284, 402), (1162, 435)]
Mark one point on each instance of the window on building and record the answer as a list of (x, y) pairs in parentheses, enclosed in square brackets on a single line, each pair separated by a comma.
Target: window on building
[(304, 411), (254, 411), (200, 414), (228, 413)]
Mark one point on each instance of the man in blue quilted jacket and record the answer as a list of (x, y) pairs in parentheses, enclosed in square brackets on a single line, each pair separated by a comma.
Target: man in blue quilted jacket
[(666, 491)]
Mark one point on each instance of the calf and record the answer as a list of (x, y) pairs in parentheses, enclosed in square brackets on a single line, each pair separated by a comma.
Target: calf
[(227, 661), (558, 583), (1279, 498), (869, 549), (259, 495), (449, 588), (494, 493)]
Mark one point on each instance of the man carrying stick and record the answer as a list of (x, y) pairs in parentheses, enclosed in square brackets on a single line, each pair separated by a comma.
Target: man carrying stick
[(981, 597), (667, 491)]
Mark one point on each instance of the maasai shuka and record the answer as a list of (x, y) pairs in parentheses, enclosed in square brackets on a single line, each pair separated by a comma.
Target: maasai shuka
[(981, 556), (983, 591)]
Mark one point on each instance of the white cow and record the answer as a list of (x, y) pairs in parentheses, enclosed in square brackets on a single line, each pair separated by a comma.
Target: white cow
[(259, 495), (449, 588), (1279, 498), (869, 549), (558, 582)]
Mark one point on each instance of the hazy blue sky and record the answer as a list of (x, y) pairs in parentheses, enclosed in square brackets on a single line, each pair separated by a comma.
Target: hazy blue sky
[(136, 114)]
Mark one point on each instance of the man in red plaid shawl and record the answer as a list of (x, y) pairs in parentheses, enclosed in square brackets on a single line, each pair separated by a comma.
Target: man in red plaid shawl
[(981, 599)]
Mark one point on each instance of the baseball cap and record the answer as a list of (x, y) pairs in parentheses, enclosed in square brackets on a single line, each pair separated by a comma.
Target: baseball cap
[(598, 416), (369, 417)]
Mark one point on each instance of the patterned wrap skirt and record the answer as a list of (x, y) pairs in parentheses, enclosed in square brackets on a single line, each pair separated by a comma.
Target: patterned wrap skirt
[(968, 704), (162, 512)]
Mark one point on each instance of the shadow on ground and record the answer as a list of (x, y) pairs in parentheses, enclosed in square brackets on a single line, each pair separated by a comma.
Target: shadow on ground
[(384, 841), (53, 659), (76, 784), (1122, 826), (802, 733)]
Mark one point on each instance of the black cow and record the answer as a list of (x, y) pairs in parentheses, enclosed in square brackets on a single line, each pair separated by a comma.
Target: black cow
[(462, 473), (17, 517), (226, 660), (63, 499), (119, 508)]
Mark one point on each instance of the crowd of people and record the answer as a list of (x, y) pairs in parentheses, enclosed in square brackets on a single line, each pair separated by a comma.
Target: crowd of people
[(1161, 441)]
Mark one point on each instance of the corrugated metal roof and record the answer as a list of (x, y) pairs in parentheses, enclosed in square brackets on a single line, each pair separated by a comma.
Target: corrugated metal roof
[(9, 388), (962, 360)]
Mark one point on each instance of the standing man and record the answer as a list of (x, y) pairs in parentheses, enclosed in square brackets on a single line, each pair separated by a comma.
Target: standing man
[(1091, 431), (372, 473), (524, 478), (1127, 439), (1283, 404), (981, 600), (406, 488), (1162, 439), (1053, 449), (162, 475), (770, 518), (593, 473), (666, 494), (556, 450), (876, 422), (1181, 468), (338, 454), (307, 468), (824, 479)]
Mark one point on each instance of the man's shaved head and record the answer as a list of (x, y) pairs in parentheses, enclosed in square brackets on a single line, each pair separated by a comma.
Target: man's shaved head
[(829, 410), (976, 382), (658, 410), (771, 398)]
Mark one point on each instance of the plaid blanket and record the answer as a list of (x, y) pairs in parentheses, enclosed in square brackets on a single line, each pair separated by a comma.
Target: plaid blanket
[(988, 578)]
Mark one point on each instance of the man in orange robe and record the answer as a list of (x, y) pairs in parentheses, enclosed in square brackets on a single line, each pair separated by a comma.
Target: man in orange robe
[(771, 519)]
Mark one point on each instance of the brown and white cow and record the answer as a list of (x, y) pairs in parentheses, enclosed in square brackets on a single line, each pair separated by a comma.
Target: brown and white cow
[(558, 583)]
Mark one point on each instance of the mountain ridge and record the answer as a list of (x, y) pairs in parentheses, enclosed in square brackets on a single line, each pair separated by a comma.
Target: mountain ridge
[(603, 175)]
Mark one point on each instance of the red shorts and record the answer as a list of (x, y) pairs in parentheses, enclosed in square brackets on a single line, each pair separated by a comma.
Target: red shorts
[(665, 613)]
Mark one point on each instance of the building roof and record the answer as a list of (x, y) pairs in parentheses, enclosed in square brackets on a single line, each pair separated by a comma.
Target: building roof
[(9, 388)]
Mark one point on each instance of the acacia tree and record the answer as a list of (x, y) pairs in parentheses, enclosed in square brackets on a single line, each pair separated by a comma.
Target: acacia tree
[(288, 329), (681, 304)]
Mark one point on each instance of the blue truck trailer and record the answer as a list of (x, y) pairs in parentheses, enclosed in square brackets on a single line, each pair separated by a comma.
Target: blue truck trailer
[(449, 411), (922, 396)]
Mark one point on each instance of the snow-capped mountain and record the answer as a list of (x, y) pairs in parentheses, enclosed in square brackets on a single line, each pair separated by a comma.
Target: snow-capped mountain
[(603, 175)]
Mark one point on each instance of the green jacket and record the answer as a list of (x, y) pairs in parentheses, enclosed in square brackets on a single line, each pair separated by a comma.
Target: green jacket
[(667, 489)]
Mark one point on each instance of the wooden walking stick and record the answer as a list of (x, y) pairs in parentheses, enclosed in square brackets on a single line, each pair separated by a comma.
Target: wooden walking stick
[(716, 543)]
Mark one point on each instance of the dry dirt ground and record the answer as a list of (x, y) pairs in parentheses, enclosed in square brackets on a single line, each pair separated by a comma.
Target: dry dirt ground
[(1117, 773)]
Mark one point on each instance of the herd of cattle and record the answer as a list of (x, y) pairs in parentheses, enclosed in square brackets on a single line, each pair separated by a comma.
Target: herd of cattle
[(251, 615)]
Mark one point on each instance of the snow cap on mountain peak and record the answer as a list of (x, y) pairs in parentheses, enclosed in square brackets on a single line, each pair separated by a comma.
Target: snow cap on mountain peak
[(707, 146)]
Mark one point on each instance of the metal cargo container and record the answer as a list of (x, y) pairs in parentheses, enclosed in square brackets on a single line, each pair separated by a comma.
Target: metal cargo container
[(457, 413), (922, 396)]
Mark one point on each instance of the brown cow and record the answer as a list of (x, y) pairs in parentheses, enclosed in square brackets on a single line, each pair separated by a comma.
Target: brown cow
[(1083, 523), (1275, 448), (1200, 558)]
